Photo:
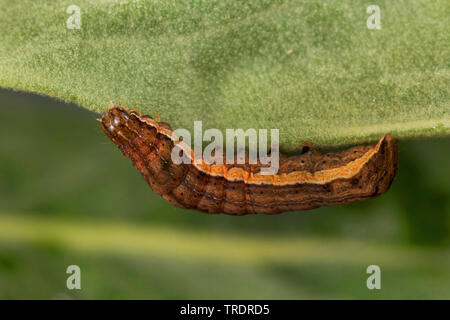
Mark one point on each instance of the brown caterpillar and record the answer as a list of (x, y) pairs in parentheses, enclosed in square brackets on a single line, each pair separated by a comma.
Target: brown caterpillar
[(303, 182)]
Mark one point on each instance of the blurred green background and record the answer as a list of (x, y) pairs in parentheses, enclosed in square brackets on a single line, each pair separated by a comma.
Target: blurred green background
[(68, 196)]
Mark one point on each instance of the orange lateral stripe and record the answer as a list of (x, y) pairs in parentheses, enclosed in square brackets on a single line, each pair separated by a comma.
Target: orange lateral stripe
[(297, 177)]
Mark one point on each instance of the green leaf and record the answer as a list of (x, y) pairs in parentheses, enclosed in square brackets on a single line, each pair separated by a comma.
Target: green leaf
[(310, 68)]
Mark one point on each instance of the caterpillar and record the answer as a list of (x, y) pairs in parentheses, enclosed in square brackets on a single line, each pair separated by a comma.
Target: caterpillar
[(305, 181)]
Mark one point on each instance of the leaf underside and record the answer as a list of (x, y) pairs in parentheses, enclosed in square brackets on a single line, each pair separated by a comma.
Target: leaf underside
[(309, 68)]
